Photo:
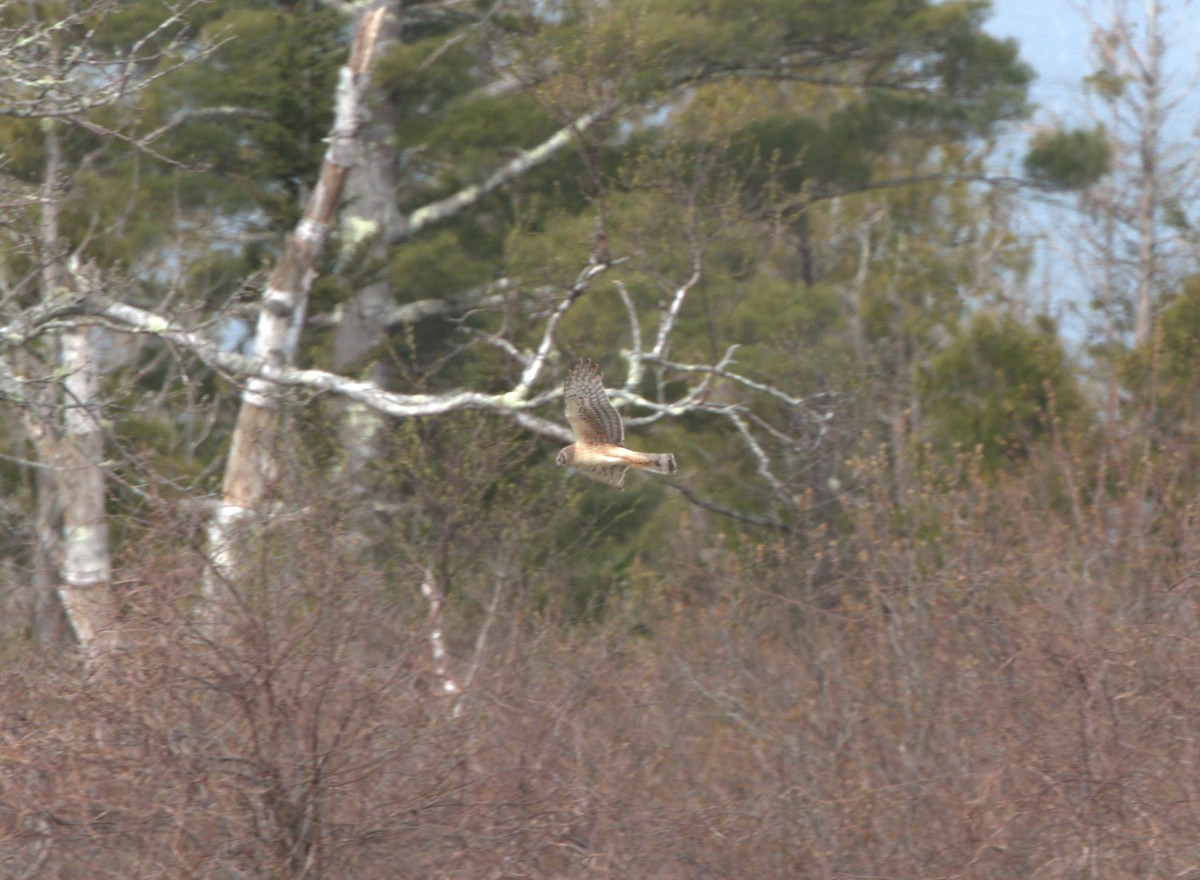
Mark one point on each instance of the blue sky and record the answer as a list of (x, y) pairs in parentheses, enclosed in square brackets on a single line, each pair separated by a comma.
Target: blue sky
[(1053, 35), (1054, 40)]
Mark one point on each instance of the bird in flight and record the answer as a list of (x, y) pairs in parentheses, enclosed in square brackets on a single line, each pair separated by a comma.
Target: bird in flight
[(598, 452)]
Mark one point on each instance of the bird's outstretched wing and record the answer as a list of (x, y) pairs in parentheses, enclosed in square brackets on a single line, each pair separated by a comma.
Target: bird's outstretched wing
[(592, 416)]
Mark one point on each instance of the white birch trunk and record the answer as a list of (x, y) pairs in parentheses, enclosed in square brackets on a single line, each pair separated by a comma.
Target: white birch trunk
[(86, 567), (253, 462), (76, 455)]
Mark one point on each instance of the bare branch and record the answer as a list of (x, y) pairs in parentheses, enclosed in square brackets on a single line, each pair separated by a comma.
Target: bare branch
[(485, 296), (533, 368), (516, 405), (441, 210), (692, 401), (185, 116), (480, 644), (34, 83), (141, 145), (721, 510), (432, 591), (280, 375), (797, 71), (764, 463), (633, 356), (724, 373)]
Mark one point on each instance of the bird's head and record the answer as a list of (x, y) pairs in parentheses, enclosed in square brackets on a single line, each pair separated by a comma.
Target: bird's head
[(565, 456)]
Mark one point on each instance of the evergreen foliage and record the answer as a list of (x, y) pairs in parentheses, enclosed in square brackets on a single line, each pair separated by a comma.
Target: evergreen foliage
[(999, 388), (1163, 376), (1068, 160)]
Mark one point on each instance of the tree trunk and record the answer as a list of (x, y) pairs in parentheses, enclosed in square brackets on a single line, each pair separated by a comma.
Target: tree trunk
[(1149, 147), (86, 568), (368, 221), (51, 629), (76, 455), (258, 439)]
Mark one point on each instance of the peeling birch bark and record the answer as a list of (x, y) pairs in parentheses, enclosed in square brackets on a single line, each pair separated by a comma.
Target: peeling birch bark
[(85, 571), (253, 461), (86, 566)]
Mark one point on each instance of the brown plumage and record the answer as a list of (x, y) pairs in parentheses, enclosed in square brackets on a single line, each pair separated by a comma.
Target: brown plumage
[(598, 452)]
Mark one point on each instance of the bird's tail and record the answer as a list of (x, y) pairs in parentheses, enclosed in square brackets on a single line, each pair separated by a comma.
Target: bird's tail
[(660, 463)]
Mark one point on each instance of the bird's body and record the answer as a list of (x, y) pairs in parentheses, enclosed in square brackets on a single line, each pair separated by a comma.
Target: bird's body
[(598, 452)]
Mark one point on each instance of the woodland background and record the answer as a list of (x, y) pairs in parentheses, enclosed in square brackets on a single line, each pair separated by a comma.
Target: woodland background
[(292, 588)]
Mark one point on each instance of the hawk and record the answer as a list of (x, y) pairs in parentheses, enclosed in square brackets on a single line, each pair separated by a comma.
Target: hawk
[(598, 452)]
